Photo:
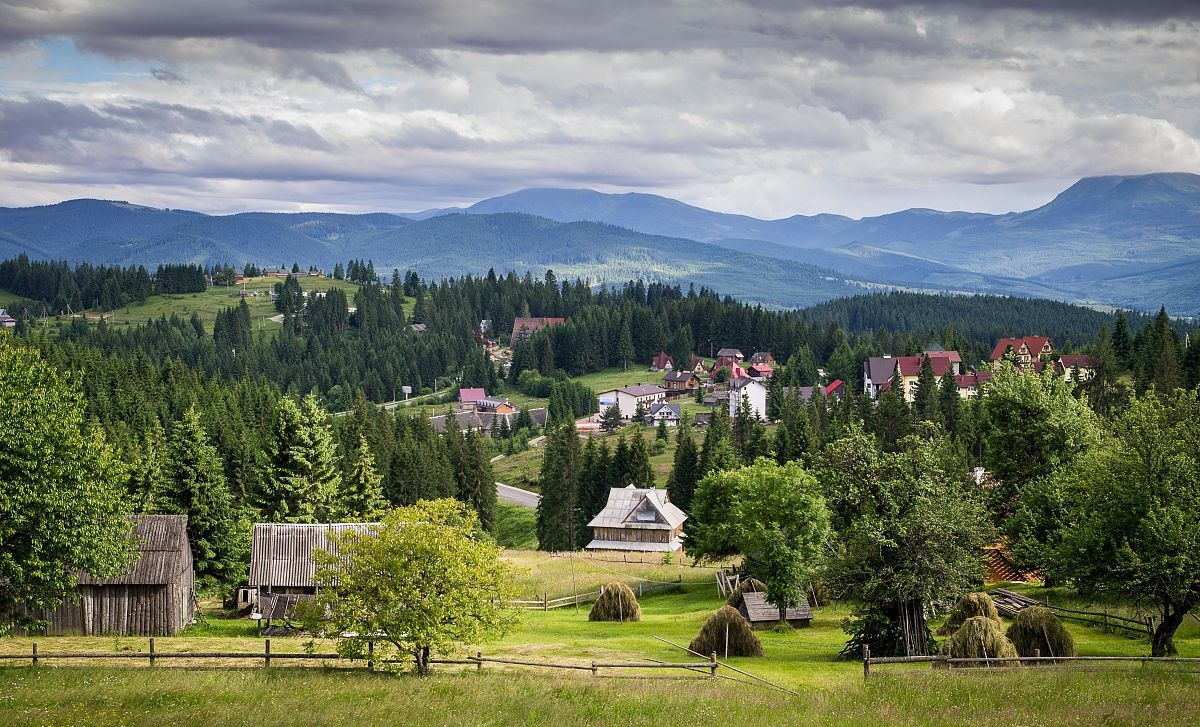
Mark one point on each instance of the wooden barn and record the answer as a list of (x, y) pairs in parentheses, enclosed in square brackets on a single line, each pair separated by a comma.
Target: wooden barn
[(642, 520), (155, 597), (754, 608), (282, 567)]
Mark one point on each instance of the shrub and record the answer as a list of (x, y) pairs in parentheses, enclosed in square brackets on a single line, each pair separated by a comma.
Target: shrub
[(712, 637), (616, 603), (980, 637), (969, 606), (753, 585), (1037, 628)]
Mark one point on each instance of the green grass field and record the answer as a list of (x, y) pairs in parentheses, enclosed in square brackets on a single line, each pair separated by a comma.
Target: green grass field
[(831, 692), (7, 298)]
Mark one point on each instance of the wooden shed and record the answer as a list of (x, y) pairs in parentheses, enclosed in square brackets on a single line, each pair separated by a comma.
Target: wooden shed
[(754, 608), (155, 597)]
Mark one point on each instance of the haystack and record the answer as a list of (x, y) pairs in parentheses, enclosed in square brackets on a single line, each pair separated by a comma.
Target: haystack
[(1037, 628), (969, 606), (752, 585), (726, 633), (979, 637), (616, 603)]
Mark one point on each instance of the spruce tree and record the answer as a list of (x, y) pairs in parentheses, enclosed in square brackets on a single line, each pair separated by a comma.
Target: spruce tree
[(925, 399), (718, 453), (196, 487), (1166, 369), (685, 469), (637, 468), (893, 419), (661, 431), (305, 478), (610, 421), (362, 491), (148, 482), (557, 518), (949, 402), (618, 470), (1122, 346)]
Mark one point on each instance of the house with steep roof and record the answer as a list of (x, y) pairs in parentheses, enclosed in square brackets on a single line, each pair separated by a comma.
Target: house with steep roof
[(971, 385), (639, 520), (668, 414), (877, 371), (6, 321), (731, 353), (909, 368), (662, 362), (1074, 367), (760, 371), (469, 397), (697, 365), (763, 357), (526, 326), (628, 398), (1026, 351)]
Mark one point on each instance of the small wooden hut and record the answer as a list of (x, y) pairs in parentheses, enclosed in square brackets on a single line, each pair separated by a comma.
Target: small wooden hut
[(155, 597), (761, 615)]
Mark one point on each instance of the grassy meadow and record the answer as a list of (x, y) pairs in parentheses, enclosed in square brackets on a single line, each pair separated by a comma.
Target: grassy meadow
[(831, 692)]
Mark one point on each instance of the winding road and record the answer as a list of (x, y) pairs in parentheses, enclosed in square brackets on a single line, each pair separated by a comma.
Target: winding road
[(516, 496)]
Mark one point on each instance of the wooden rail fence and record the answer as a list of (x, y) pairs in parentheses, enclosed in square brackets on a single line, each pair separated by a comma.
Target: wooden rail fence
[(266, 656), (1009, 603), (545, 603), (994, 662)]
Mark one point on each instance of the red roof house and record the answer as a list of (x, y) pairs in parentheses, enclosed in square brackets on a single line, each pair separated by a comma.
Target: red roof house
[(662, 362), (471, 396), (523, 328), (1027, 350)]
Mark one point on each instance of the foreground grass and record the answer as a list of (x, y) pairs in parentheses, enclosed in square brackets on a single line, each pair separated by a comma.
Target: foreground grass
[(99, 697)]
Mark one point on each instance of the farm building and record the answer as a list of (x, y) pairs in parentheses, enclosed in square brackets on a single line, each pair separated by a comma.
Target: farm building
[(155, 597), (281, 555), (628, 398), (754, 608), (635, 519)]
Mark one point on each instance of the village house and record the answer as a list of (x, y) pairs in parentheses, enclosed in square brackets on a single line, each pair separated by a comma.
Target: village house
[(752, 391), (640, 520), (156, 596), (970, 385), (760, 614), (1027, 351), (482, 420), (676, 382), (628, 398), (877, 372), (763, 357), (524, 327), (662, 362), (1074, 367), (6, 321), (697, 365), (760, 371), (731, 354), (834, 389), (495, 405), (909, 368), (668, 414), (468, 398)]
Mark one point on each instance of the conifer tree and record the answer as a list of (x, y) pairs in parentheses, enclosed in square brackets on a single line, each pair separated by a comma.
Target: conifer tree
[(610, 421), (1122, 346), (362, 490), (196, 487), (925, 399), (557, 518), (625, 346), (949, 402), (685, 469), (660, 433), (717, 452), (148, 482), (637, 468), (305, 481), (1166, 369), (893, 419), (618, 471)]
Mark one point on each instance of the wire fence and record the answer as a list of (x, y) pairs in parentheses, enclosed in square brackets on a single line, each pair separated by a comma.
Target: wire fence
[(545, 603)]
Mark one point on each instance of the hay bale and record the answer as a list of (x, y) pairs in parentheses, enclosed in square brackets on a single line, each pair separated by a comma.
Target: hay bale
[(1037, 628), (753, 585), (616, 603), (969, 606), (742, 640), (979, 637)]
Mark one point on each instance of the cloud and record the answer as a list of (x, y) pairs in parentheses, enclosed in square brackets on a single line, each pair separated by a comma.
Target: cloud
[(768, 108)]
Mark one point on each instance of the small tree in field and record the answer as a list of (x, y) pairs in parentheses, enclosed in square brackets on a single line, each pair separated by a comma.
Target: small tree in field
[(427, 580)]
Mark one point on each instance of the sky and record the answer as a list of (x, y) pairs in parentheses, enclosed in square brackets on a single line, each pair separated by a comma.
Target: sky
[(767, 108)]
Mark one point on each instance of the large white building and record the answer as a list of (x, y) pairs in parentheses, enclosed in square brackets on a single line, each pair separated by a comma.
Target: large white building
[(628, 398), (753, 391)]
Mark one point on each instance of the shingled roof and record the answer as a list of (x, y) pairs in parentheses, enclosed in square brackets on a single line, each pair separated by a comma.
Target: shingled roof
[(281, 554), (163, 552)]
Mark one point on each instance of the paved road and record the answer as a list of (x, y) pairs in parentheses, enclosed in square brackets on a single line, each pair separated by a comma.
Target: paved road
[(516, 495)]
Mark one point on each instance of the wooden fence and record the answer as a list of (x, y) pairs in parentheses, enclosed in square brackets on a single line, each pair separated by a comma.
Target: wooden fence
[(1009, 662), (1009, 603), (545, 603), (153, 657)]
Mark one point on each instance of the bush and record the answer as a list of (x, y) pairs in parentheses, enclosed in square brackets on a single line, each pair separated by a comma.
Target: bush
[(969, 606), (616, 603), (980, 637), (742, 640), (753, 585), (1037, 628)]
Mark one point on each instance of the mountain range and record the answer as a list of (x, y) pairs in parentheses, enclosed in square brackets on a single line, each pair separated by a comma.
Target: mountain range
[(1127, 241)]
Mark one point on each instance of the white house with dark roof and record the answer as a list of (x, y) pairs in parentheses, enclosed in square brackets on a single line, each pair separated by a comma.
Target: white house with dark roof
[(6, 321), (669, 414), (642, 520), (628, 398)]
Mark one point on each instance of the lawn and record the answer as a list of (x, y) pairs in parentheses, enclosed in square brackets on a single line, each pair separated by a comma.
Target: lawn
[(7, 298), (831, 692)]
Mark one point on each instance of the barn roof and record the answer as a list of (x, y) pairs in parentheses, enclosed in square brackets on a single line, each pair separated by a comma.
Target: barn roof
[(281, 554), (757, 610), (163, 552), (630, 507)]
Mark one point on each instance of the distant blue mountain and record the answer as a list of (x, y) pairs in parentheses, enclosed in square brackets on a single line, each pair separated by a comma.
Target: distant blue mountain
[(1131, 241)]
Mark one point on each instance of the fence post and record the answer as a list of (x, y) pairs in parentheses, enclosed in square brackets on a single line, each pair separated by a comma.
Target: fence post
[(35, 653), (151, 651), (639, 589), (1106, 620), (866, 662), (1037, 654), (478, 661), (712, 658), (595, 670), (266, 652), (545, 601), (371, 655)]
